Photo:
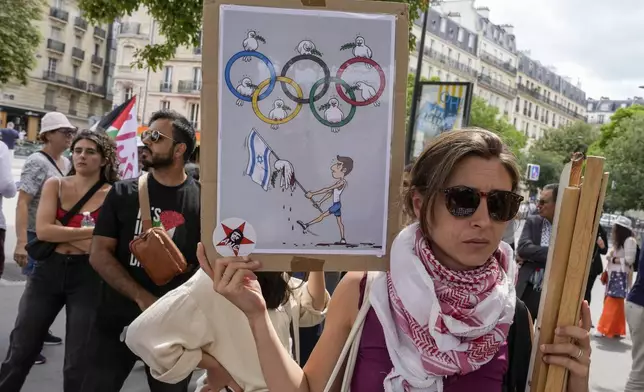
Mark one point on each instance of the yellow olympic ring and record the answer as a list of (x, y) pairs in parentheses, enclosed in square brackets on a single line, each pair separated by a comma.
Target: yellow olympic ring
[(291, 116)]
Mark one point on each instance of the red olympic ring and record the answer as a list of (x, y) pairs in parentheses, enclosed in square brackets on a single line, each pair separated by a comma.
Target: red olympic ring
[(381, 89)]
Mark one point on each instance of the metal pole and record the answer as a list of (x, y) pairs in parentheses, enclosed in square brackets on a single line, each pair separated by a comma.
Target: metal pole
[(147, 75), (419, 66)]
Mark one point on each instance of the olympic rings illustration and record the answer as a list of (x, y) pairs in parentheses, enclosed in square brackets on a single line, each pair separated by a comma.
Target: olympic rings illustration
[(268, 82), (318, 61), (271, 70), (321, 119), (368, 61)]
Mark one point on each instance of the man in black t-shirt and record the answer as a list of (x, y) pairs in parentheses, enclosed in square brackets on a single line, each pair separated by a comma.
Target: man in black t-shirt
[(127, 290)]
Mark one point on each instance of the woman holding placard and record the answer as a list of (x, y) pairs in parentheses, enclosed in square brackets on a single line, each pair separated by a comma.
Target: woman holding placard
[(445, 316), (621, 257)]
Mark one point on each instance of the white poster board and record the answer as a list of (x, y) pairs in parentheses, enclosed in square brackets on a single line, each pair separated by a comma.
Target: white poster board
[(306, 112)]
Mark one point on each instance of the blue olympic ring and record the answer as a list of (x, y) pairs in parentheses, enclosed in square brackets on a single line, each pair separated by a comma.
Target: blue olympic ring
[(271, 70)]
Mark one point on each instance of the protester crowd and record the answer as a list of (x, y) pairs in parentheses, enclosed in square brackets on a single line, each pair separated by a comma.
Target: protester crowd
[(455, 311)]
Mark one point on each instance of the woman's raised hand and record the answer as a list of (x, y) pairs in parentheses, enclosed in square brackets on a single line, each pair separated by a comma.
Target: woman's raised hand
[(234, 279)]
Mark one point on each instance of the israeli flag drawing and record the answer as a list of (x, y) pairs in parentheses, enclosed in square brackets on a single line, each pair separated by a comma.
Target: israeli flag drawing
[(259, 160)]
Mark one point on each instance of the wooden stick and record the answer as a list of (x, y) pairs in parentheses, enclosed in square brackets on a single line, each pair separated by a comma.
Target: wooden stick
[(564, 180), (551, 299), (582, 240), (598, 214), (576, 169)]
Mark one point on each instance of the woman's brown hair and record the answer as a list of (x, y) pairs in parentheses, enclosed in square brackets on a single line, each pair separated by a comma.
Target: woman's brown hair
[(435, 165), (106, 147)]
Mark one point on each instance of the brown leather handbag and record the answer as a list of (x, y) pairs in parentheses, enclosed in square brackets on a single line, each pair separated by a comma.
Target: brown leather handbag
[(153, 248)]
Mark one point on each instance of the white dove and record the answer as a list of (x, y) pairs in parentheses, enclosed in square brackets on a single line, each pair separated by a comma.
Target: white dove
[(361, 50), (307, 47), (367, 92), (278, 112), (287, 178), (251, 43), (245, 88), (333, 113)]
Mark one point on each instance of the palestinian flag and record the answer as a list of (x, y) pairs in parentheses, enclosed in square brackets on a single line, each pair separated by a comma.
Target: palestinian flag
[(113, 121), (121, 125)]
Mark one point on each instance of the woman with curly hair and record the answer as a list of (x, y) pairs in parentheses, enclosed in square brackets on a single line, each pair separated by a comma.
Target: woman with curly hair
[(65, 217)]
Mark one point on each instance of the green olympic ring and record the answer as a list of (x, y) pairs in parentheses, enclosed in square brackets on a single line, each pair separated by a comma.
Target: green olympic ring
[(323, 121)]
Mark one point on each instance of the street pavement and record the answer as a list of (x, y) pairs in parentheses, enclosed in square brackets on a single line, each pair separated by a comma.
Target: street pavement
[(611, 358)]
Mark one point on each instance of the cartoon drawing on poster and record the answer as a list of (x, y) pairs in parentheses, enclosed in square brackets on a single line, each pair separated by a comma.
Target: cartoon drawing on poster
[(316, 120)]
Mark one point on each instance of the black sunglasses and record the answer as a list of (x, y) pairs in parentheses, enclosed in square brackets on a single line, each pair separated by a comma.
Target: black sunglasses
[(463, 201), (154, 136)]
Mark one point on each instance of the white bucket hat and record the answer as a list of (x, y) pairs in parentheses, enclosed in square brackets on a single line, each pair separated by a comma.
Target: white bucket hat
[(624, 222), (53, 121)]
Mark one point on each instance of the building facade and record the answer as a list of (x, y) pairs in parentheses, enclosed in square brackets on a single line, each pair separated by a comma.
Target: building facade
[(545, 100), (71, 75), (450, 51), (497, 53), (600, 111), (176, 86), (461, 37)]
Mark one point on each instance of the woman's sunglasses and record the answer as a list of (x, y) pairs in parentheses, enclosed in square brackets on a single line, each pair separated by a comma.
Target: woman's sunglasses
[(463, 201), (154, 136)]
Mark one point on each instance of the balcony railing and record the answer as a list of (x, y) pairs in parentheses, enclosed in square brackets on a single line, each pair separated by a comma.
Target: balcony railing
[(64, 79), (132, 28), (50, 107), (80, 23), (451, 63), (78, 53), (165, 87), (197, 50), (537, 95), (55, 45), (59, 14), (499, 87), (73, 112), (99, 32), (97, 61), (497, 62), (189, 86), (96, 89)]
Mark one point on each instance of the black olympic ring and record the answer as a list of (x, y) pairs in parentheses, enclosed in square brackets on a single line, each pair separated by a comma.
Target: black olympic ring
[(327, 78)]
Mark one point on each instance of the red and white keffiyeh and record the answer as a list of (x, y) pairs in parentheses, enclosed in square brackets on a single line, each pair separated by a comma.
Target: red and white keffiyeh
[(439, 322)]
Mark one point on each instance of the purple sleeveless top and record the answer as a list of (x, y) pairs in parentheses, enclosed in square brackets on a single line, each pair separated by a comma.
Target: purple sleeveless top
[(373, 363)]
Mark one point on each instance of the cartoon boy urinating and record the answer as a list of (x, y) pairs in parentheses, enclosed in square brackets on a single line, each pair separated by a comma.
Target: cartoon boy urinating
[(339, 171)]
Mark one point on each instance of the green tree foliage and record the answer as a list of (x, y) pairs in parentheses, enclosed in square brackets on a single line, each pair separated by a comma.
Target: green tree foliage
[(19, 38), (555, 148), (551, 166), (180, 23), (625, 163), (576, 137), (611, 130), (486, 116)]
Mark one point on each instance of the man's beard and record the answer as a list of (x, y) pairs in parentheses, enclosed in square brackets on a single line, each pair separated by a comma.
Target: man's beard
[(158, 162)]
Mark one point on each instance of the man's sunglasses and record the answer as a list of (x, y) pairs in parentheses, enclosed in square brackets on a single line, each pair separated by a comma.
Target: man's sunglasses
[(154, 136), (67, 131), (463, 201)]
